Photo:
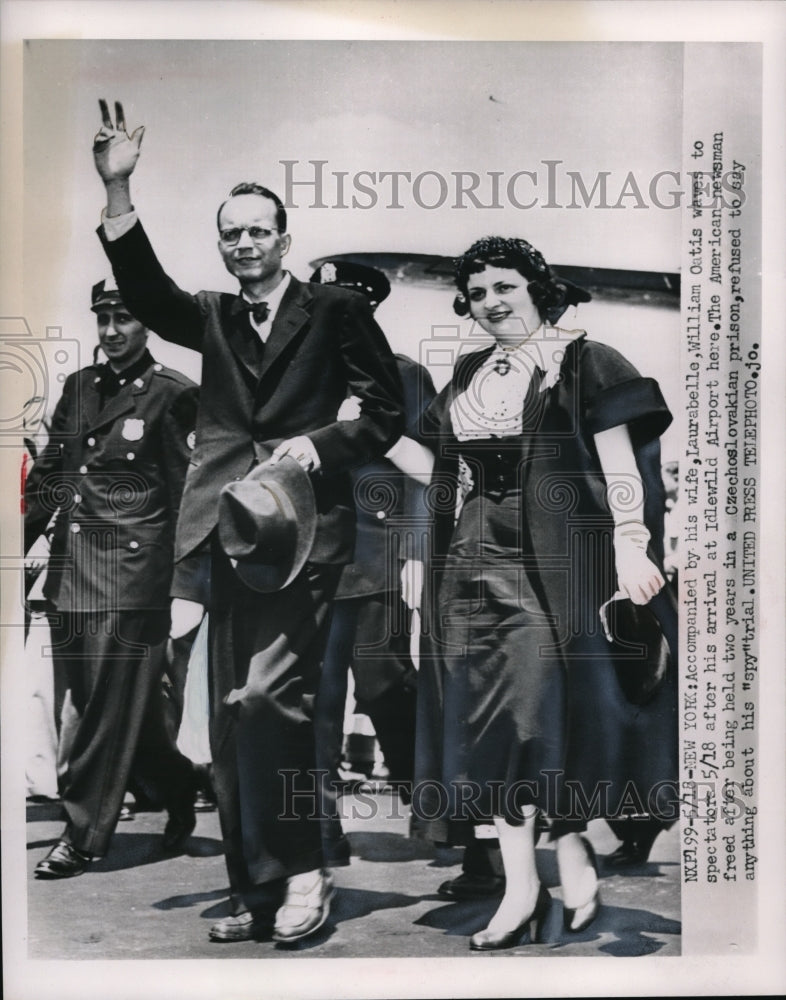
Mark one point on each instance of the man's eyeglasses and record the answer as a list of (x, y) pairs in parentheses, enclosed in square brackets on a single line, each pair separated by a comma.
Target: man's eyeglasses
[(229, 237)]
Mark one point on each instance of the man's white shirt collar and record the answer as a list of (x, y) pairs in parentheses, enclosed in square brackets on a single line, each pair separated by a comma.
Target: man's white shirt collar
[(273, 302)]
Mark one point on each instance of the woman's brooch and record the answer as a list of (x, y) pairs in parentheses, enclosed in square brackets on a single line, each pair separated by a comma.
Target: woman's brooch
[(502, 366)]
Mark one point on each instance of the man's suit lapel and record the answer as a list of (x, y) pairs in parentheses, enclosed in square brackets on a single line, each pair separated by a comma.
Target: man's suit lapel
[(243, 338), (290, 317)]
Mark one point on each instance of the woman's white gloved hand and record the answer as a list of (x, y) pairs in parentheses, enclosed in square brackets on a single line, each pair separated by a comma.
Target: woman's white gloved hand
[(637, 576), (185, 615), (350, 409), (412, 583)]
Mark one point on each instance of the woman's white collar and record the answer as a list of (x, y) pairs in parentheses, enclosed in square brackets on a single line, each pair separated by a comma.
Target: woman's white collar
[(546, 348)]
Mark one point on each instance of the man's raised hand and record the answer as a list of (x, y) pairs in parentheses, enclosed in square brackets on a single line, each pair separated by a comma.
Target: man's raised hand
[(115, 151)]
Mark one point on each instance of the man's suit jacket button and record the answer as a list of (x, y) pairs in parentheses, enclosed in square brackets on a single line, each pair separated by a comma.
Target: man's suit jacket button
[(90, 442), (75, 529)]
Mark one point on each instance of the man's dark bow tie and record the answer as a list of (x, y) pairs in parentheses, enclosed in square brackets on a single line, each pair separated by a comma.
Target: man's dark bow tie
[(259, 310)]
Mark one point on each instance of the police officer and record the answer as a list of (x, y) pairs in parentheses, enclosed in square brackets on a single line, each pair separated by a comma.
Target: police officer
[(372, 615), (113, 474)]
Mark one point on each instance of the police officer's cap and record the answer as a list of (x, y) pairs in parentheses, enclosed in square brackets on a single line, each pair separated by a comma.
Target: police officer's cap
[(358, 277), (105, 293)]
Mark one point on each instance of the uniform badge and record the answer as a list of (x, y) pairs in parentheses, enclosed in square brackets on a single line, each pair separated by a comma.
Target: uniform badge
[(133, 429), (191, 440)]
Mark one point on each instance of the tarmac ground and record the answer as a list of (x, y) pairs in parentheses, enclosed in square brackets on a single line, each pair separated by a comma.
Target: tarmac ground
[(138, 902)]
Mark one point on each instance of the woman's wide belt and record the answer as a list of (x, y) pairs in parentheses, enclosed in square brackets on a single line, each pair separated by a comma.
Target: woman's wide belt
[(495, 468)]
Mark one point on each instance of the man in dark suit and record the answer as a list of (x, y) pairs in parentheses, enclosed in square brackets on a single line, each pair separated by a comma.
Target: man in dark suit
[(112, 473), (372, 617), (278, 359)]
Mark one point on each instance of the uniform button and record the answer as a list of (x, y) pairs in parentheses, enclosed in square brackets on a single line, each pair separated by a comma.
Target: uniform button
[(381, 515), (130, 456), (97, 379), (138, 383), (75, 529), (133, 545), (83, 469), (238, 478), (90, 442), (121, 381), (157, 367), (77, 498)]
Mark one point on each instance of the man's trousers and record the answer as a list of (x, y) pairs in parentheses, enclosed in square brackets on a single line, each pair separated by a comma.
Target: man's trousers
[(265, 658), (112, 662)]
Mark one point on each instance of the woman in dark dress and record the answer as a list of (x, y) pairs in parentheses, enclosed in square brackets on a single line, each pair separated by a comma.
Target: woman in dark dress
[(547, 499)]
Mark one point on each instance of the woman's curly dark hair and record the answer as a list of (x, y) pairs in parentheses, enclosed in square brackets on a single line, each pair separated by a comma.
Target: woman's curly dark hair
[(550, 293)]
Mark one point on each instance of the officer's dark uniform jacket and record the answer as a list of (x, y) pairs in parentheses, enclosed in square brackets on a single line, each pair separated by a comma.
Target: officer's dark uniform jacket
[(113, 475)]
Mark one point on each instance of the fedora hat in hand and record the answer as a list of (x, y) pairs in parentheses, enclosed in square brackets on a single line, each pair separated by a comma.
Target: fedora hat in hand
[(267, 523)]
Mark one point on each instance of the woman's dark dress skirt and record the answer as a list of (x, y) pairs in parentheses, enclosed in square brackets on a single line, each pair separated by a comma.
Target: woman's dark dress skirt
[(503, 724)]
